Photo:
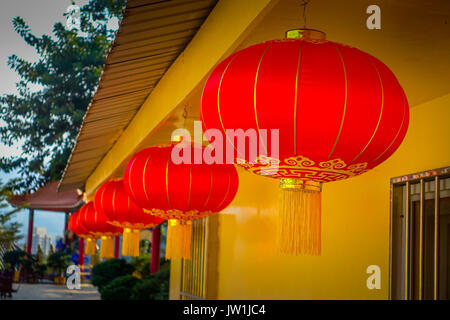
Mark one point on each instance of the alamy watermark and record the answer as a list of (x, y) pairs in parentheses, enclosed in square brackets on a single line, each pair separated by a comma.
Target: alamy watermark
[(250, 144), (73, 277), (374, 20), (374, 280)]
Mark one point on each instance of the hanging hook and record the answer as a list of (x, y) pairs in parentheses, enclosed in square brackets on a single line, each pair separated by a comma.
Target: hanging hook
[(304, 3), (184, 115)]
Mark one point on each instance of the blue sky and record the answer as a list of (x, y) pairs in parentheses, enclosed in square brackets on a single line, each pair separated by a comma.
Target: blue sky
[(40, 16)]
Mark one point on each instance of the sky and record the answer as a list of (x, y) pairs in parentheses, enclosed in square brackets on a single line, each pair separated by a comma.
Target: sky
[(40, 16)]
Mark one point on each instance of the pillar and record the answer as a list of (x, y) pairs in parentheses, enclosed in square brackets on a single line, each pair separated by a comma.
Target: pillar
[(66, 221), (66, 226), (117, 247), (81, 256), (156, 242), (30, 231)]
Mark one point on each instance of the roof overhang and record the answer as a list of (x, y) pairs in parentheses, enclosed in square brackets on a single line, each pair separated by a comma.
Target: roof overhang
[(49, 199), (152, 35)]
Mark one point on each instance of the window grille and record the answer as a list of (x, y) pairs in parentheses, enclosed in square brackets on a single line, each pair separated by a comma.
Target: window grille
[(420, 236)]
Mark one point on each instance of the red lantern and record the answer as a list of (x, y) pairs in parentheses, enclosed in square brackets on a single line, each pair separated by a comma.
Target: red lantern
[(179, 192), (112, 200), (77, 224), (76, 227), (99, 227), (339, 112)]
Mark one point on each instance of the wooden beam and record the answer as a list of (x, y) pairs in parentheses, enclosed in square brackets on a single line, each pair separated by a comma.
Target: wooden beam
[(225, 28)]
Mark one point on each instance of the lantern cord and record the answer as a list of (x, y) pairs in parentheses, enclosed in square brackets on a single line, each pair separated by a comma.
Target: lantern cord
[(107, 247), (299, 225), (185, 115)]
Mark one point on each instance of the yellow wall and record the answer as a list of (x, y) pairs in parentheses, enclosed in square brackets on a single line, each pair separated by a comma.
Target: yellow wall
[(355, 225)]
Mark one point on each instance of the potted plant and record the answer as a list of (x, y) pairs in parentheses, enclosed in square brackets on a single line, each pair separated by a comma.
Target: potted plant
[(58, 262)]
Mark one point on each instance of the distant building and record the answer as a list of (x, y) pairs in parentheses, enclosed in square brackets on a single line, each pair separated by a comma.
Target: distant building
[(40, 237)]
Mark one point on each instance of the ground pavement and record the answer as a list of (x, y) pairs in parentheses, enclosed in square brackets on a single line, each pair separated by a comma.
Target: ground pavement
[(43, 291)]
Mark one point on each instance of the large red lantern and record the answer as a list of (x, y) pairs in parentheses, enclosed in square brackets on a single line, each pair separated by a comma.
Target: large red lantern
[(121, 210), (180, 192), (99, 227), (339, 112)]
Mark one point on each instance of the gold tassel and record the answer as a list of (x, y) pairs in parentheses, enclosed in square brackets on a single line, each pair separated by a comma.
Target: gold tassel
[(107, 247), (91, 246), (299, 230), (178, 244), (130, 242)]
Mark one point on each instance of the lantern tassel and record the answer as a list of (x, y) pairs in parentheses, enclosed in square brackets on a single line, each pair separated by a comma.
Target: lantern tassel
[(130, 242), (299, 229), (178, 245), (107, 247), (91, 246)]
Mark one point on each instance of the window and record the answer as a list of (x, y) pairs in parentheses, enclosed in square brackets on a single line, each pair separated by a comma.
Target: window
[(420, 236)]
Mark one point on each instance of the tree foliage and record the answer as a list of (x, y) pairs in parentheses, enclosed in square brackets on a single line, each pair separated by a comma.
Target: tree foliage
[(9, 231), (53, 93)]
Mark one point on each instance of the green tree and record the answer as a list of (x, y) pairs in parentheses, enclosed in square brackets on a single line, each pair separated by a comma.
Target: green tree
[(9, 231), (54, 93)]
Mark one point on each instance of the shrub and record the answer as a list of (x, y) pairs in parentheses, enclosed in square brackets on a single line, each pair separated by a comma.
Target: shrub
[(155, 287), (121, 288), (104, 273), (141, 265)]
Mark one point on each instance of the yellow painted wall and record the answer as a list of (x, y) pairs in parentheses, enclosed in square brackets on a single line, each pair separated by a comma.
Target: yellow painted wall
[(355, 225)]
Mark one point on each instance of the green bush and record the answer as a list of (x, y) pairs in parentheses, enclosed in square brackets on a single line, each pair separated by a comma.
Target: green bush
[(141, 265), (104, 273), (155, 287), (121, 288)]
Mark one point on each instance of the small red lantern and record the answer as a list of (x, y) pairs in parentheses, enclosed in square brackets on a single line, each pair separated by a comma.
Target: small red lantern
[(76, 225), (179, 192), (99, 227), (339, 112), (121, 210)]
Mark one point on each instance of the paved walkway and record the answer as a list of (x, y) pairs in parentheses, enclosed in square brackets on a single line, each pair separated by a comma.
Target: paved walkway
[(54, 292)]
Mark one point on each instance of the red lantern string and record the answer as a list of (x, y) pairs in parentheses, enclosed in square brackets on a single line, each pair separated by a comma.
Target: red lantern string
[(179, 192), (121, 210), (99, 227), (77, 225)]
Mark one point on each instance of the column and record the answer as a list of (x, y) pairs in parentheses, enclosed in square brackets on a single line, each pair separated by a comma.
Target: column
[(156, 242), (30, 231), (117, 247)]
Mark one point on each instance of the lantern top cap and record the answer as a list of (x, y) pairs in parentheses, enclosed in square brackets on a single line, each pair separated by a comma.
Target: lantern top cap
[(308, 34)]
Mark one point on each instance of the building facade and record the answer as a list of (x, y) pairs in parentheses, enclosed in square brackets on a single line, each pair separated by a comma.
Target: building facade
[(373, 246)]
